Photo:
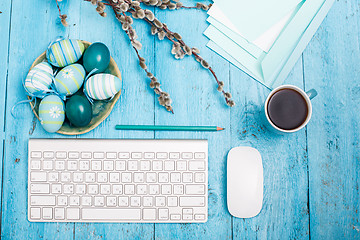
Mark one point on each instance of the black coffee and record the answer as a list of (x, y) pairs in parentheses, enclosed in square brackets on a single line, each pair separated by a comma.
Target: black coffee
[(287, 109)]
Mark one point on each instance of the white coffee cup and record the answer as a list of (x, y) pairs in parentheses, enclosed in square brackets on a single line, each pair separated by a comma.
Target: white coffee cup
[(306, 95)]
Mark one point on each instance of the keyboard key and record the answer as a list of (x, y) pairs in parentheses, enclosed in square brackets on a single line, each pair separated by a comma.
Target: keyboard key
[(187, 211), (96, 165), (192, 201), (145, 165), (123, 201), (47, 165), (124, 155), (138, 177), (135, 201), (65, 177), (149, 214), (187, 217), (132, 165), (111, 201), (59, 213), (174, 155), (111, 155), (175, 177), (148, 201), (74, 201), (154, 189), (186, 155), (175, 217), (136, 155), (105, 189), (72, 165), (169, 165), (172, 201), (181, 165), (62, 201), (196, 165), (73, 213), (35, 213), (93, 189), (35, 165), (61, 155), (111, 214), (129, 189), (53, 177), (68, 188), (99, 155), (102, 177), (78, 177), (117, 189), (199, 155), (84, 165), (99, 201), (199, 177), (157, 165), (114, 177), (160, 201), (166, 189), (126, 177), (89, 177), (187, 177), (108, 165), (38, 176), (199, 217), (149, 155), (141, 189), (161, 155), (86, 155), (74, 155), (163, 177), (80, 189), (42, 200), (178, 189), (40, 188), (195, 189), (120, 165), (49, 155), (151, 177), (56, 188), (59, 165), (86, 201), (36, 154), (163, 214)]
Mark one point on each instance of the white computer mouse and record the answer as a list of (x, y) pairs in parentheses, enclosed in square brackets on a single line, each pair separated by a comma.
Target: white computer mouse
[(244, 182)]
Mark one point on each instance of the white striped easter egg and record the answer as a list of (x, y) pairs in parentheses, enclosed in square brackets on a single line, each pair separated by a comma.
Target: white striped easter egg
[(51, 113), (39, 79), (65, 52), (102, 86), (70, 79)]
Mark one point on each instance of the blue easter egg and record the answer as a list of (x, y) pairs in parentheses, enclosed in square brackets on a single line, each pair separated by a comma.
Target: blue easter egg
[(51, 113), (102, 86), (65, 52), (70, 79), (39, 79)]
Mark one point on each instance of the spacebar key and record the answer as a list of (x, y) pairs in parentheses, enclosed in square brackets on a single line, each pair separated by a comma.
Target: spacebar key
[(111, 214)]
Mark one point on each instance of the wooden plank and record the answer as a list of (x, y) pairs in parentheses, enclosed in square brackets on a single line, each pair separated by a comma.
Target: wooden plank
[(285, 211), (331, 66), (5, 16), (133, 103), (195, 102), (31, 31)]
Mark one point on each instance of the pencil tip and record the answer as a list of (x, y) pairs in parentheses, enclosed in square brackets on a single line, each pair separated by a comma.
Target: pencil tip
[(220, 128)]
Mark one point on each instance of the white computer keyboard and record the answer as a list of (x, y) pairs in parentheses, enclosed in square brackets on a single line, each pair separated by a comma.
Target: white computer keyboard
[(98, 180)]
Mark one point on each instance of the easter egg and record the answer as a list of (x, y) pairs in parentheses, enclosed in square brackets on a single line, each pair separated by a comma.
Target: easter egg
[(102, 86), (70, 79), (96, 56), (78, 110), (51, 113), (39, 79), (65, 52)]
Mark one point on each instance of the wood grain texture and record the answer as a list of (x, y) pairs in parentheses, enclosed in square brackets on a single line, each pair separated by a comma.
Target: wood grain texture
[(311, 178), (332, 66)]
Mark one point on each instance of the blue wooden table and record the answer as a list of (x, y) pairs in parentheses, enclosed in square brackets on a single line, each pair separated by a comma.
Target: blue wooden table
[(311, 178)]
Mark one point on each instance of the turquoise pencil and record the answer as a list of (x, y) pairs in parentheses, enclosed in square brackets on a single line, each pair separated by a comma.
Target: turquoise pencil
[(168, 128)]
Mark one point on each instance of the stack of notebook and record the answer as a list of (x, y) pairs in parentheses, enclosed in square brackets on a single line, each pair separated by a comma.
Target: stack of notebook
[(264, 38)]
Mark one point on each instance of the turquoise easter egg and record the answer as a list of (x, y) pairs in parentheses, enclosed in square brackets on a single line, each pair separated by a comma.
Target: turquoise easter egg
[(102, 86), (65, 52), (78, 110), (39, 79), (51, 113), (70, 79), (96, 56)]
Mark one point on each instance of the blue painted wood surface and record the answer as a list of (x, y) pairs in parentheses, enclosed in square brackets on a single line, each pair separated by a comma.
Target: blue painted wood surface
[(311, 178)]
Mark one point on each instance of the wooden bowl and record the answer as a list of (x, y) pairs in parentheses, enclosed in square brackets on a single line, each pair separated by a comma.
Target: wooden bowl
[(101, 109)]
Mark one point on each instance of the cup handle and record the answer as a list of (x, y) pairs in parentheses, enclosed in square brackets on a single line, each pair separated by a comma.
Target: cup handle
[(312, 93)]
